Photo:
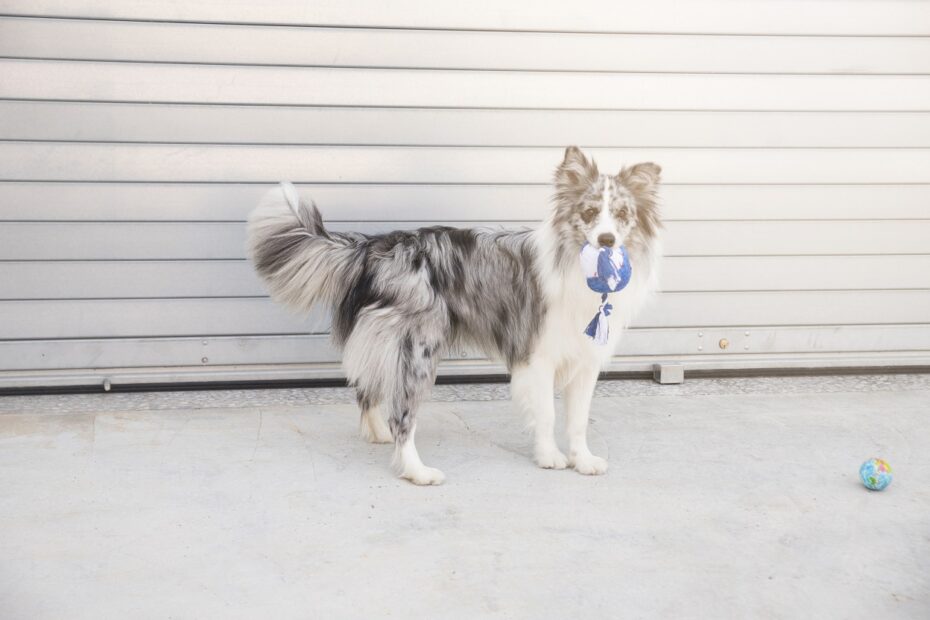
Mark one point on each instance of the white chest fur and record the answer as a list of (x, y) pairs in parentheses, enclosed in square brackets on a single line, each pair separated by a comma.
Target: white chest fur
[(571, 305)]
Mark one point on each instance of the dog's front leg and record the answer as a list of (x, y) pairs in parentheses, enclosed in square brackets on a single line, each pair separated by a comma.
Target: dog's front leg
[(533, 390), (578, 394)]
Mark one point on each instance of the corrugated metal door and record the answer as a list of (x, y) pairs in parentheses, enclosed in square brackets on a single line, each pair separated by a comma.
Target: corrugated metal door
[(136, 136)]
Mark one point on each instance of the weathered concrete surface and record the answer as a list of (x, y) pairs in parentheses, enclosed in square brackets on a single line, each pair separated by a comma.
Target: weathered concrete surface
[(727, 505)]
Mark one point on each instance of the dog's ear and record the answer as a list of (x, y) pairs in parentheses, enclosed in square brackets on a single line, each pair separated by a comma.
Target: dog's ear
[(574, 175), (642, 180), (641, 177)]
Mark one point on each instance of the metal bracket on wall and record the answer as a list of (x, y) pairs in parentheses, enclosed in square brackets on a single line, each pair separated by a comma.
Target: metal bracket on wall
[(668, 373)]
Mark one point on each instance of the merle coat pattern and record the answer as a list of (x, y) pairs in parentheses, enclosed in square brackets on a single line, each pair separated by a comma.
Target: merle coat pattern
[(401, 301)]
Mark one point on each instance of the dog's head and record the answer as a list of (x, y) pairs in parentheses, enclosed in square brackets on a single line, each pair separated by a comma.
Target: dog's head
[(606, 210)]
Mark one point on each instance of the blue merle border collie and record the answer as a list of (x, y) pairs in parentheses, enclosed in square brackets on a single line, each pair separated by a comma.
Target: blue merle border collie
[(402, 300)]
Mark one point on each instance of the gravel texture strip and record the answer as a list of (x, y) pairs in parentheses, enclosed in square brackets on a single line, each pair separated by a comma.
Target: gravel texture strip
[(296, 397)]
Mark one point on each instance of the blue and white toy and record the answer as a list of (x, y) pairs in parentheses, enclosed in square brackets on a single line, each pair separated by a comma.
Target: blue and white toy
[(875, 474), (606, 271)]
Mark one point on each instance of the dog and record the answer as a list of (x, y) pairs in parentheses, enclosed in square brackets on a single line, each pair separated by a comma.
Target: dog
[(399, 301)]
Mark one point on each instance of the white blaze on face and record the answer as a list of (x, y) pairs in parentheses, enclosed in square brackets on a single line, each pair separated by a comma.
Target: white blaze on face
[(605, 206), (605, 223)]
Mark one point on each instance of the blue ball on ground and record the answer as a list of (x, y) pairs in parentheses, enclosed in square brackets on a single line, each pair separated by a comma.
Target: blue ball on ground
[(875, 474)]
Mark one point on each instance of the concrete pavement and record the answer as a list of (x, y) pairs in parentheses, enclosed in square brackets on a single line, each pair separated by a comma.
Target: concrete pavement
[(720, 503)]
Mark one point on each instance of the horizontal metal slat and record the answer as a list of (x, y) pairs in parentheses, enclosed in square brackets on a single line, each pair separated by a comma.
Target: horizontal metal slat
[(356, 164), (146, 122), (152, 317), (703, 16), (260, 350), (450, 49), (224, 317), (236, 278), (178, 83), (201, 240), (229, 201)]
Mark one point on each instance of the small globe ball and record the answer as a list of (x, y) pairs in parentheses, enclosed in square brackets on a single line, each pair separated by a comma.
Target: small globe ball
[(875, 474)]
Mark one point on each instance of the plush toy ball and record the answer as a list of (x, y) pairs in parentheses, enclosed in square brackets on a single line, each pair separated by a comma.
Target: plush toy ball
[(875, 474), (606, 270)]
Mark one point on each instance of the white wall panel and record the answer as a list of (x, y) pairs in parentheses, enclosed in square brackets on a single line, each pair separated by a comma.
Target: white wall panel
[(274, 85), (534, 51), (409, 164), (423, 202), (211, 240), (136, 136), (125, 279), (812, 17), (50, 319), (244, 352), (224, 124)]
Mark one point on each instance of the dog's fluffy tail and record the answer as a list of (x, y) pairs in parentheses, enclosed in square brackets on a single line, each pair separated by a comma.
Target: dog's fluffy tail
[(300, 261)]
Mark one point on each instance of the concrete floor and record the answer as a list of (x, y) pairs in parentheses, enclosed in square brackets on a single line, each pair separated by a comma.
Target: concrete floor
[(734, 503)]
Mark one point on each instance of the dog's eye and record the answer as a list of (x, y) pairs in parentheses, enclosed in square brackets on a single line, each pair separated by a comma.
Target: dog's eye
[(589, 214), (624, 213)]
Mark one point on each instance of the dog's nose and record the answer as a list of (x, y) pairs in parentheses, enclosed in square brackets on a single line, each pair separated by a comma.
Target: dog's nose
[(606, 240)]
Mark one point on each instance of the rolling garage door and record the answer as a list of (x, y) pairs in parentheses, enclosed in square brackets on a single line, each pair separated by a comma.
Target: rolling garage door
[(136, 136)]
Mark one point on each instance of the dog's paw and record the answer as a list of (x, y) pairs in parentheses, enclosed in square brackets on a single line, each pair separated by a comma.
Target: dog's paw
[(551, 458), (589, 465), (375, 435), (374, 429), (424, 476)]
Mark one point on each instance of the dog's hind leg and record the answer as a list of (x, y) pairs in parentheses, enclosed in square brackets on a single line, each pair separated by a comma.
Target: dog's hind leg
[(372, 427), (534, 393), (416, 371), (391, 356)]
